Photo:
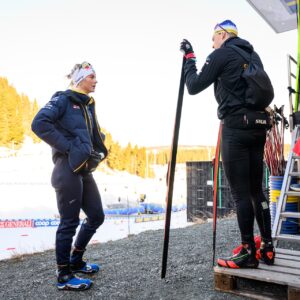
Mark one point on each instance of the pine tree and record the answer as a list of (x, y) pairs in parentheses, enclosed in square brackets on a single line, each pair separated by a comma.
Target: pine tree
[(127, 158), (34, 108), (14, 117), (4, 130), (113, 160), (141, 162), (16, 114)]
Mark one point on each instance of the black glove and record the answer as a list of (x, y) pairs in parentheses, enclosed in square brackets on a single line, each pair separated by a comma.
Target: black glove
[(187, 49), (93, 161)]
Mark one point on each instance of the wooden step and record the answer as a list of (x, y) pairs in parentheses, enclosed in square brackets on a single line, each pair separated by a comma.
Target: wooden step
[(280, 281)]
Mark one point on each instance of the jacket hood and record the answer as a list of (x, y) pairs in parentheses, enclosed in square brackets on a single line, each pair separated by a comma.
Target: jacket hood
[(236, 41)]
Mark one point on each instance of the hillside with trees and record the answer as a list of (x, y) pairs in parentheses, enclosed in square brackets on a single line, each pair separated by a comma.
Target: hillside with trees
[(17, 113)]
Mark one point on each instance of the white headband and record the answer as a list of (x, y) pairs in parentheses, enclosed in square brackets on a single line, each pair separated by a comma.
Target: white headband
[(81, 73)]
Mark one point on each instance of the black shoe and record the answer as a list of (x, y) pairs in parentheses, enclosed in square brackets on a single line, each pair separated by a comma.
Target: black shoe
[(245, 258)]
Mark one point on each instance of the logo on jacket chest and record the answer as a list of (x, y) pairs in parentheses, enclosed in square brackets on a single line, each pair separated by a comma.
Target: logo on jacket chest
[(76, 106)]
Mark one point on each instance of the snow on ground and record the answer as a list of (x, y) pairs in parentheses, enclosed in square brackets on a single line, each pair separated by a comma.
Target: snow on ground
[(26, 193), (26, 190)]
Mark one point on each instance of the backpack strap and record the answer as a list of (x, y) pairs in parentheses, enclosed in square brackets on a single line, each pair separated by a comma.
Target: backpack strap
[(244, 54)]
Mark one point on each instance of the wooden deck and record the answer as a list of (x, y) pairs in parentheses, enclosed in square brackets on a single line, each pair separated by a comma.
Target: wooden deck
[(280, 281)]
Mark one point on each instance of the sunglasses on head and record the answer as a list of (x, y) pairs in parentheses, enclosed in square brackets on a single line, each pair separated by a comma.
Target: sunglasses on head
[(218, 25), (86, 65)]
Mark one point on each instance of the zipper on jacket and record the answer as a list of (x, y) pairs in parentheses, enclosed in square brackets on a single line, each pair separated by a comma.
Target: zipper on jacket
[(96, 120), (88, 129), (87, 122), (80, 166)]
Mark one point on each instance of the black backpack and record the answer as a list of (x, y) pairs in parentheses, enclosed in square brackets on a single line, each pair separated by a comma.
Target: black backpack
[(259, 92)]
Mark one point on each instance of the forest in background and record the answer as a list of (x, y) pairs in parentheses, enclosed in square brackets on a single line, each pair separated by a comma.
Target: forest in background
[(17, 112)]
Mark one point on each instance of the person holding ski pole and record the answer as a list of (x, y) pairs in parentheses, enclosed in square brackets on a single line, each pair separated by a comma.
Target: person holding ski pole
[(68, 123), (243, 138)]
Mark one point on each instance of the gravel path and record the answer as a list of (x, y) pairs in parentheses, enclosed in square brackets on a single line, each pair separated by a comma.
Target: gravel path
[(131, 267)]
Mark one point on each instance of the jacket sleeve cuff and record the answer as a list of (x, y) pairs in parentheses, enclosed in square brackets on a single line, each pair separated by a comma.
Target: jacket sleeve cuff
[(190, 55)]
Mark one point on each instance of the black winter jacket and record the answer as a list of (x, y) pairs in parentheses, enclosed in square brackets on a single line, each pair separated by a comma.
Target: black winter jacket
[(223, 67), (68, 123)]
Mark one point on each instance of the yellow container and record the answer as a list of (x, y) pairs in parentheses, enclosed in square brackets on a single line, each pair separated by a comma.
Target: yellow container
[(275, 194)]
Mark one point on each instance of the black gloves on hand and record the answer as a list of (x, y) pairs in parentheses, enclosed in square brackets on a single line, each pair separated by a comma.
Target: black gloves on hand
[(187, 49), (93, 161)]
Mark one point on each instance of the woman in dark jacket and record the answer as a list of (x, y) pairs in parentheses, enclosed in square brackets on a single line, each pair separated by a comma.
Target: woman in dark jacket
[(68, 123), (242, 145)]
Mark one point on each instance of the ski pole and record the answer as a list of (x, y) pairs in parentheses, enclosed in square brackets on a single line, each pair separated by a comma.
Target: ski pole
[(215, 191), (171, 172)]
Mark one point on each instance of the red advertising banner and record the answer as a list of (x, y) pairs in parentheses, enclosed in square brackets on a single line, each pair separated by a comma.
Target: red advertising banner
[(16, 223)]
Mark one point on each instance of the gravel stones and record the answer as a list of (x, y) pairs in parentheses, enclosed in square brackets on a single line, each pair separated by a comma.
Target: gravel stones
[(131, 267)]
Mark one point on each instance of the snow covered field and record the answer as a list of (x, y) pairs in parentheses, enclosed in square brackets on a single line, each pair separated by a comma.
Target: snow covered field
[(16, 241), (26, 193)]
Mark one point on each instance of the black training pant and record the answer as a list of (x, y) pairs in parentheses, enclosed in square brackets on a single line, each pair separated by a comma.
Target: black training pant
[(242, 156), (75, 192)]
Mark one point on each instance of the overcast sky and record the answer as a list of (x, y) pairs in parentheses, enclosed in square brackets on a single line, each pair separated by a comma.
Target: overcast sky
[(134, 47)]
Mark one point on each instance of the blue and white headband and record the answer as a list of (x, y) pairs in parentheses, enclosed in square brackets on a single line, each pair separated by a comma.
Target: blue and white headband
[(82, 72)]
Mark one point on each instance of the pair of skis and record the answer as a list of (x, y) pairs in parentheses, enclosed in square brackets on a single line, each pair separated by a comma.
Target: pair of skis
[(216, 189), (171, 175), (171, 172)]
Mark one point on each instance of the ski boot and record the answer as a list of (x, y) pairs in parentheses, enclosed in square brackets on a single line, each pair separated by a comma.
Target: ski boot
[(257, 240), (79, 266), (266, 253), (85, 268), (67, 281), (245, 258)]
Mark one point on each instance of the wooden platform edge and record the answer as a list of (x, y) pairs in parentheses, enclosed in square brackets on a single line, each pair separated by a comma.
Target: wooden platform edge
[(228, 283)]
